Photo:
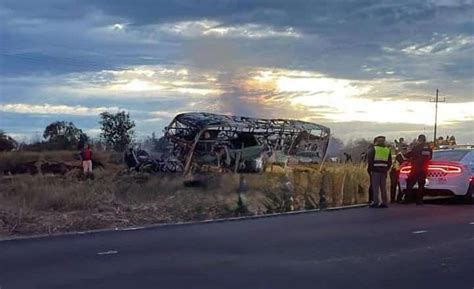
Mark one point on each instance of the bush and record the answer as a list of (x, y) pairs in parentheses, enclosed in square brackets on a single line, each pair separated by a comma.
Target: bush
[(7, 143)]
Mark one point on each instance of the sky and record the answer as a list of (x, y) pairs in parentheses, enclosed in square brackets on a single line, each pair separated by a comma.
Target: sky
[(362, 68)]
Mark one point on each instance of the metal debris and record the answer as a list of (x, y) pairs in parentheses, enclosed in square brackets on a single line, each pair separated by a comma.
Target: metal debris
[(211, 142), (243, 144)]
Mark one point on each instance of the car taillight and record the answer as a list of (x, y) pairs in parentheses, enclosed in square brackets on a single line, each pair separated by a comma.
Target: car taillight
[(449, 169), (405, 170)]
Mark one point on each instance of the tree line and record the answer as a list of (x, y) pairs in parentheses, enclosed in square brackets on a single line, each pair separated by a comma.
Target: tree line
[(117, 133)]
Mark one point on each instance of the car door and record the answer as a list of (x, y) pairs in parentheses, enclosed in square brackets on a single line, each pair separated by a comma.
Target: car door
[(471, 162)]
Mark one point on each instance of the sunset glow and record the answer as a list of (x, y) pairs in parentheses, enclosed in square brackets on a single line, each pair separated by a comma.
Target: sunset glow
[(366, 73)]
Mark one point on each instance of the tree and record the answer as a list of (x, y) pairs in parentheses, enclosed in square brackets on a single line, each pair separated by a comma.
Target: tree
[(117, 130), (7, 143), (64, 135), (355, 148)]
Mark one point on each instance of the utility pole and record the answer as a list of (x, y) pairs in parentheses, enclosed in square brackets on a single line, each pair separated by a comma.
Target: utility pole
[(436, 100)]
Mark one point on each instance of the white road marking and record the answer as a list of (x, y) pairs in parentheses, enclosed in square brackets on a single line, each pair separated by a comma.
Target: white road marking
[(107, 252), (132, 228), (419, 232), (471, 223)]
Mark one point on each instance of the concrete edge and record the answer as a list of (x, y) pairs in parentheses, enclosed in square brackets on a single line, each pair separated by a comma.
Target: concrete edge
[(178, 224)]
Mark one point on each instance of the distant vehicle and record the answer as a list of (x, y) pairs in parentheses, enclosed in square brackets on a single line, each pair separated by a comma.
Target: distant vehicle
[(450, 173)]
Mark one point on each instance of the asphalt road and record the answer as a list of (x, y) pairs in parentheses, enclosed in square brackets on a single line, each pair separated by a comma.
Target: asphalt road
[(400, 247)]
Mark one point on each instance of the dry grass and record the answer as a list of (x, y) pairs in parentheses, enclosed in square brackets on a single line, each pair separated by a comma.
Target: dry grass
[(309, 188), (9, 159), (38, 204), (48, 204)]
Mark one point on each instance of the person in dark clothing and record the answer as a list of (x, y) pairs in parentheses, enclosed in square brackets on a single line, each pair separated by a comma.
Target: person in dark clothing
[(419, 158), (395, 173), (371, 194), (348, 157), (452, 140), (379, 163), (399, 143)]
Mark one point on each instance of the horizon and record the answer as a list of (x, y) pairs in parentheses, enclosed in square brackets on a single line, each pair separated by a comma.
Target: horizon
[(139, 139)]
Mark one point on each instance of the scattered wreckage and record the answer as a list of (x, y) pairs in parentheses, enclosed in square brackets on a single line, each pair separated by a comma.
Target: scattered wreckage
[(204, 141)]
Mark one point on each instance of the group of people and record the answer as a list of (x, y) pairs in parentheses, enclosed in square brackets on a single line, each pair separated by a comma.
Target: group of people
[(380, 165), (449, 140)]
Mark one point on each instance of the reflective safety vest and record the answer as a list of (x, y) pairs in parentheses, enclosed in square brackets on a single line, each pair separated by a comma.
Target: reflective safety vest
[(381, 156)]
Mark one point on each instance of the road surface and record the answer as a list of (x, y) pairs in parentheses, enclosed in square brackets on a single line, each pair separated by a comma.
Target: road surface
[(400, 247)]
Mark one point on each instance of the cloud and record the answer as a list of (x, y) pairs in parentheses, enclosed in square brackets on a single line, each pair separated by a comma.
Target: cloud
[(24, 108), (142, 82), (329, 61), (368, 130), (452, 3), (341, 100), (205, 27), (441, 44)]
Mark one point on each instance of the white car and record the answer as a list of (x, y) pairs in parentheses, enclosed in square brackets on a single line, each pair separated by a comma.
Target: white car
[(450, 173)]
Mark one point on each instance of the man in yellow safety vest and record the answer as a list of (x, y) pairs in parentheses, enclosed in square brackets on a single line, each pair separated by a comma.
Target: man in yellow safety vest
[(379, 163)]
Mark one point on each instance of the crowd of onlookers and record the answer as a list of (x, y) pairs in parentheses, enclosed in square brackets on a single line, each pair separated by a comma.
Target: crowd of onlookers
[(400, 144), (440, 141), (449, 140)]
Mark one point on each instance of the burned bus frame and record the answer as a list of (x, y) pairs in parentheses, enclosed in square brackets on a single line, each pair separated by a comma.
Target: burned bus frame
[(290, 137)]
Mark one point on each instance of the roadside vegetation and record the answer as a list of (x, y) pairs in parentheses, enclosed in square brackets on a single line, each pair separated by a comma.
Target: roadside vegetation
[(62, 201), (43, 190)]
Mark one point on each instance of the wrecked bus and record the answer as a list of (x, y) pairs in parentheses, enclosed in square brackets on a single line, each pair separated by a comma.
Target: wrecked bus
[(242, 144)]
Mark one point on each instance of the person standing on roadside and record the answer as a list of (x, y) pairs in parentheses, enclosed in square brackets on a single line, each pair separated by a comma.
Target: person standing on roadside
[(400, 158), (86, 158), (419, 158), (380, 161), (348, 157), (365, 160), (399, 143)]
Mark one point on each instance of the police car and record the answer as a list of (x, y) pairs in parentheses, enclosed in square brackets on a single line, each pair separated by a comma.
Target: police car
[(450, 173)]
